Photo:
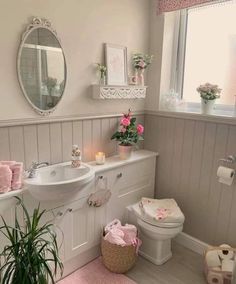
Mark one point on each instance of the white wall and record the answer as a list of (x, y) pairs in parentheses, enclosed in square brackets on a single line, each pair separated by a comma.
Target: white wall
[(83, 26), (190, 150), (156, 47)]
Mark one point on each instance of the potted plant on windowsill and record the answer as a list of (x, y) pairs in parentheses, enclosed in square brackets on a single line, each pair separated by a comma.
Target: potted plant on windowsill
[(208, 93), (31, 255), (128, 135)]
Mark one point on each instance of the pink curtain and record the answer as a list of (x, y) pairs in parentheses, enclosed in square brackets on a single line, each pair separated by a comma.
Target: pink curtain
[(172, 5)]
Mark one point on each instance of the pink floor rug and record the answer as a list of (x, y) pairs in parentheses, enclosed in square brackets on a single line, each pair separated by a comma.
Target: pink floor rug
[(95, 273)]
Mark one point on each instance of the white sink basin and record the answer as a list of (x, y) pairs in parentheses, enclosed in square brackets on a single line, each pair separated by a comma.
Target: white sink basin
[(60, 181)]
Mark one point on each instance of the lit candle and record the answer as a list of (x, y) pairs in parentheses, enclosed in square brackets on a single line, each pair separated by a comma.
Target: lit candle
[(100, 158)]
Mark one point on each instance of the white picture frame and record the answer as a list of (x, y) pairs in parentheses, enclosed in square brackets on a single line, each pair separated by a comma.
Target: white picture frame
[(116, 63)]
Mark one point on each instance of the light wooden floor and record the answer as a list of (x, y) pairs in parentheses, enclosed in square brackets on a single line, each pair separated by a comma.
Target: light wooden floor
[(185, 267)]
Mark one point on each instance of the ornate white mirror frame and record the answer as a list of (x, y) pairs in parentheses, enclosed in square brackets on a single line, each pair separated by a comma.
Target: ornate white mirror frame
[(35, 24)]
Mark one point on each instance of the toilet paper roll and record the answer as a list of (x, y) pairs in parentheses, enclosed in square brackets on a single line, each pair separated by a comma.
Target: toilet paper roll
[(228, 265), (212, 258), (225, 175), (224, 253), (214, 278)]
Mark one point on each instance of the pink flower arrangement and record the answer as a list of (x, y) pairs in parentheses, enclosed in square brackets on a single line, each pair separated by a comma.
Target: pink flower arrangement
[(209, 92), (141, 61), (129, 133), (125, 121)]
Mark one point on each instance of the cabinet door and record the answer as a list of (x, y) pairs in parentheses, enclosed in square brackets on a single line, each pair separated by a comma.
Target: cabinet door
[(79, 228), (57, 218), (128, 184), (100, 223)]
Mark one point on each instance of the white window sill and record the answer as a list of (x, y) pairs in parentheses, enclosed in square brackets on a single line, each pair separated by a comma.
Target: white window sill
[(221, 114)]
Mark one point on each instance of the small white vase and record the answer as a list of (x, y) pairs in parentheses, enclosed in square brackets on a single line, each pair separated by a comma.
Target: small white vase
[(125, 152), (141, 77), (207, 106), (103, 80)]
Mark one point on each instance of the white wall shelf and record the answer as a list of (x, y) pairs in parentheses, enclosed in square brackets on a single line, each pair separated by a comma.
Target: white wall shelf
[(119, 92)]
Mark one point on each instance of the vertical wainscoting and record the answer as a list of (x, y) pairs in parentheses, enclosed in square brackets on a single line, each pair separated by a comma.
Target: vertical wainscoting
[(53, 141), (189, 157)]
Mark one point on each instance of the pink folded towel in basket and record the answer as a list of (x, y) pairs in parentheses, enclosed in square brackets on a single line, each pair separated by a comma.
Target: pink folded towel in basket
[(115, 236), (5, 178), (122, 235), (130, 233)]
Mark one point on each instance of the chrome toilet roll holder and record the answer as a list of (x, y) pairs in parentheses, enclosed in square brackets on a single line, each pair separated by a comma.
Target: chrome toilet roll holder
[(231, 159)]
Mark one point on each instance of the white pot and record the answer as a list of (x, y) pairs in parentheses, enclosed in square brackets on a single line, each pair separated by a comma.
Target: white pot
[(141, 77), (125, 152), (207, 106)]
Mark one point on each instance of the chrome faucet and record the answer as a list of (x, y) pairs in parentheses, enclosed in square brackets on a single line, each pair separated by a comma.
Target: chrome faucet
[(32, 170)]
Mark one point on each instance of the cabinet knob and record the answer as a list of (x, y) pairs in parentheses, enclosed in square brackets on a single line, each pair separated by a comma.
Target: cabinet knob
[(69, 209), (59, 214), (119, 175)]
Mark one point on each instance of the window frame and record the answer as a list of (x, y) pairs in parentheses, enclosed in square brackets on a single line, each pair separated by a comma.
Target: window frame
[(180, 46), (177, 76)]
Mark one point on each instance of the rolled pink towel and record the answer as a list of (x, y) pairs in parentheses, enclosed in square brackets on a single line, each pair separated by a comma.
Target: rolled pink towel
[(5, 178), (8, 163), (17, 176)]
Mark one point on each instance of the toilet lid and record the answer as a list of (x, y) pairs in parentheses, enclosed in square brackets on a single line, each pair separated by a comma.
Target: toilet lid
[(159, 212)]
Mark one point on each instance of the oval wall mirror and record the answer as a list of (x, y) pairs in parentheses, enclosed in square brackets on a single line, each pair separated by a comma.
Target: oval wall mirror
[(41, 66)]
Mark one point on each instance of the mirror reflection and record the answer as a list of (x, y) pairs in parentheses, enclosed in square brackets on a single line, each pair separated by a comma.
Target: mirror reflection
[(42, 69)]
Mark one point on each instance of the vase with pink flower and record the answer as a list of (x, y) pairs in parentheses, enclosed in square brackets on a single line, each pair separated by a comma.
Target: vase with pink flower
[(140, 63), (128, 135)]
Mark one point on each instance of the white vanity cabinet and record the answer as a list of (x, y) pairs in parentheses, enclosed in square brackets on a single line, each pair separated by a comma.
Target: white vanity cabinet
[(128, 181), (78, 225)]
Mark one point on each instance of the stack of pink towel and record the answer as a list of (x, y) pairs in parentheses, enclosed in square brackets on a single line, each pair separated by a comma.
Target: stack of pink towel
[(11, 176), (126, 235)]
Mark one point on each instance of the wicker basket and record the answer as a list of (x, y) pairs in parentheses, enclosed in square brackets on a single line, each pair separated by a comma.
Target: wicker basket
[(227, 277), (116, 258)]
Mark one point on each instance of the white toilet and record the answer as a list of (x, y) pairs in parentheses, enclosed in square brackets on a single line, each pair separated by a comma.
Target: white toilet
[(156, 234)]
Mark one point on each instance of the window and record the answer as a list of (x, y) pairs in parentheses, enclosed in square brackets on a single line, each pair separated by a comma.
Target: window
[(207, 51)]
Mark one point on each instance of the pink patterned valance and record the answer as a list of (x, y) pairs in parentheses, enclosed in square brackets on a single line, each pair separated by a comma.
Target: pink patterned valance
[(172, 5)]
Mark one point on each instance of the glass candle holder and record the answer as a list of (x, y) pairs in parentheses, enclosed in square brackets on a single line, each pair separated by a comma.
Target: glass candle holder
[(100, 158)]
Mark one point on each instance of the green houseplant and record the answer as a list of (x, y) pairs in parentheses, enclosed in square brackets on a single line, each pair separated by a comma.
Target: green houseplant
[(31, 255), (128, 135)]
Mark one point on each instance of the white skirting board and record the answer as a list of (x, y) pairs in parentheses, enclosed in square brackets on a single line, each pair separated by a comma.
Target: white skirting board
[(191, 243)]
